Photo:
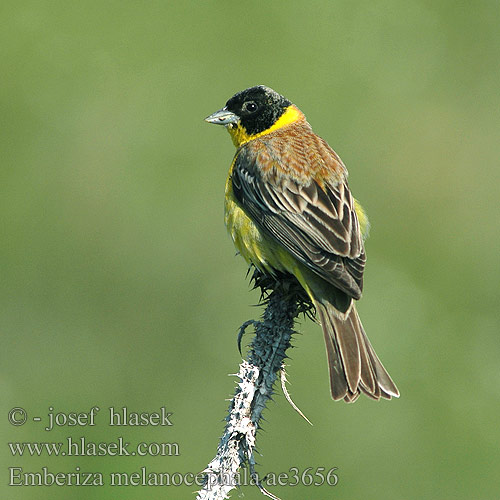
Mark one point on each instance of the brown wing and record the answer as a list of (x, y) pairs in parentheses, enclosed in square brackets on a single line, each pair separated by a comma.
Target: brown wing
[(317, 225)]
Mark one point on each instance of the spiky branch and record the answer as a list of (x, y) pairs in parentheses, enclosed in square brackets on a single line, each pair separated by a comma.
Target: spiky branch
[(284, 300)]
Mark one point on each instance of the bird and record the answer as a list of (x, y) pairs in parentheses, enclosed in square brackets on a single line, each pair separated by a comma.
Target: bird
[(289, 212)]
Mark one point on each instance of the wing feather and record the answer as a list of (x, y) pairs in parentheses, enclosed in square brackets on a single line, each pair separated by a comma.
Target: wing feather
[(317, 224)]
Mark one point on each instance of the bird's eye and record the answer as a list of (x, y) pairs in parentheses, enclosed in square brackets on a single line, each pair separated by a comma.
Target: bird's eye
[(249, 106)]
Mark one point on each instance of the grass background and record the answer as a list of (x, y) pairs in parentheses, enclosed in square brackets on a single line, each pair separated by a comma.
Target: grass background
[(119, 286)]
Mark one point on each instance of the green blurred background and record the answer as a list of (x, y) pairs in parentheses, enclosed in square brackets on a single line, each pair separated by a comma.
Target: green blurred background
[(119, 286)]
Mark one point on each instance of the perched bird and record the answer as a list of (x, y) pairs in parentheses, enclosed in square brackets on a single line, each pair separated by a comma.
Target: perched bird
[(289, 210)]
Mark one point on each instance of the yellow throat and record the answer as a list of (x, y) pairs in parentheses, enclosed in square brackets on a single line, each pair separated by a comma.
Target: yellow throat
[(240, 136)]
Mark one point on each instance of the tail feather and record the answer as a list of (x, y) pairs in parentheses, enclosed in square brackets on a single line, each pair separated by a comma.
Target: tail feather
[(338, 382), (368, 377), (349, 349), (353, 365)]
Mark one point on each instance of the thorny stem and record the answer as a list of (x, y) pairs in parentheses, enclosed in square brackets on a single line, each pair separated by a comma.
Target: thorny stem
[(284, 300)]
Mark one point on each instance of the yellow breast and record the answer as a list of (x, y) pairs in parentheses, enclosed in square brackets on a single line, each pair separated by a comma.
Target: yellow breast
[(254, 246), (246, 237)]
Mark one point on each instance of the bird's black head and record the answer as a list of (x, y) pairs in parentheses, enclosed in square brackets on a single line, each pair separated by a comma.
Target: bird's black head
[(258, 108)]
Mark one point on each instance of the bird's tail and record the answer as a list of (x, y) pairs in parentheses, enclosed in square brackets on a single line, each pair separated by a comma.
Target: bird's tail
[(354, 367)]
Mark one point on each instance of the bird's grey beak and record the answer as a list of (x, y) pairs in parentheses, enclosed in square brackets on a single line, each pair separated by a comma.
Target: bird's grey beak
[(222, 117)]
